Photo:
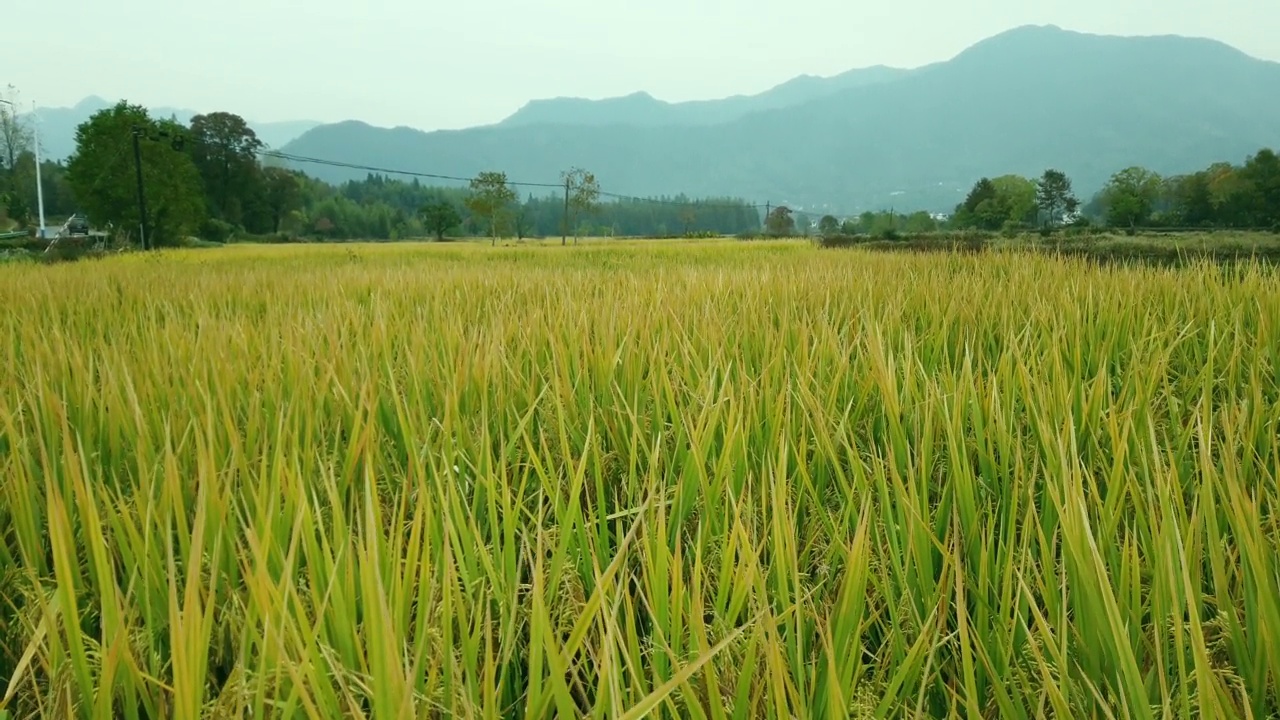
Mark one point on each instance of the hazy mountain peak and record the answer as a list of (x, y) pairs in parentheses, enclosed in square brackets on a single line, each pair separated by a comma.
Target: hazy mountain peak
[(1022, 101), (91, 104), (1028, 41), (58, 125), (642, 109)]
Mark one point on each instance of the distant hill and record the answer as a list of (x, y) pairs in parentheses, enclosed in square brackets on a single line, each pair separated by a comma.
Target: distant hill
[(1031, 98), (58, 126), (643, 109)]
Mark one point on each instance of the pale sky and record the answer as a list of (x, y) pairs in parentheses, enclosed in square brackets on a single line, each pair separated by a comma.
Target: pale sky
[(437, 64)]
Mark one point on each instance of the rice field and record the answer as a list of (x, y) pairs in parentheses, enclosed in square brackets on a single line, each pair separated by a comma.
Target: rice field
[(681, 480)]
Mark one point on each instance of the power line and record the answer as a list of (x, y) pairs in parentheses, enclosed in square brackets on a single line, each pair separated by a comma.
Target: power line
[(289, 157), (410, 173)]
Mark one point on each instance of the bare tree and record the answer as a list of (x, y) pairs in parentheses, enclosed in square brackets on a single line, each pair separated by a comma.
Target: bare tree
[(583, 196), (15, 136)]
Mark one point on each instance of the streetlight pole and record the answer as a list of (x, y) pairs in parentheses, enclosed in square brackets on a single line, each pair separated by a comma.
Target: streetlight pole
[(39, 185)]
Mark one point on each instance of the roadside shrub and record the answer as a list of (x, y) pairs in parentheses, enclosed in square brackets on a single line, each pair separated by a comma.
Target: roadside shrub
[(215, 230)]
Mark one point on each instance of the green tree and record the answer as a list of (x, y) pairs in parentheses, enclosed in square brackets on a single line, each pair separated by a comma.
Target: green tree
[(490, 196), (58, 199), (440, 216), (979, 209), (828, 225), (283, 194), (983, 190), (780, 223), (1262, 173), (1193, 200), (225, 151), (884, 225), (523, 218), (1016, 196), (1130, 196), (688, 218), (1231, 192), (802, 224), (919, 222), (1054, 197), (584, 196), (16, 209), (101, 173)]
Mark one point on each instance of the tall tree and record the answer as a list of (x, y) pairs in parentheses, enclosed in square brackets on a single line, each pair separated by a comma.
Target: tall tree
[(688, 218), (1193, 200), (1130, 196), (225, 150), (977, 210), (58, 198), (522, 216), (440, 216), (15, 136), (490, 196), (802, 224), (1231, 192), (101, 173), (780, 223), (1262, 173), (984, 189), (1016, 196), (584, 195), (828, 225), (283, 194), (1054, 197)]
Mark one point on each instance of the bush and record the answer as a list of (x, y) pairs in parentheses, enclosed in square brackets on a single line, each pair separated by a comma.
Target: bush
[(16, 255), (215, 230), (843, 240)]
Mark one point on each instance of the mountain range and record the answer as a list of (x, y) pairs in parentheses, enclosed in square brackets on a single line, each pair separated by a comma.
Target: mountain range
[(58, 126), (643, 109), (1022, 101)]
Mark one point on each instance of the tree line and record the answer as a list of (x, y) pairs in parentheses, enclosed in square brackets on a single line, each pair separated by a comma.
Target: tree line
[(379, 207), (1220, 196), (211, 179), (1224, 195)]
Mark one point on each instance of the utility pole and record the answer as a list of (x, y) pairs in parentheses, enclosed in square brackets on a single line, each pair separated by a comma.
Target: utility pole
[(39, 184), (142, 197), (768, 205), (564, 238)]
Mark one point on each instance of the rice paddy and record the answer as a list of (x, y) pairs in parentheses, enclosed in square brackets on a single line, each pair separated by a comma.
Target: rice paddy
[(681, 480)]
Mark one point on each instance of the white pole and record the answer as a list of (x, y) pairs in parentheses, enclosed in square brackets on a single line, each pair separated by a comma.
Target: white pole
[(13, 117), (39, 185)]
